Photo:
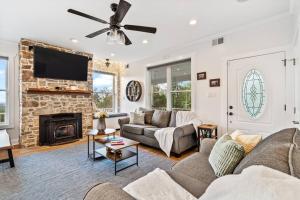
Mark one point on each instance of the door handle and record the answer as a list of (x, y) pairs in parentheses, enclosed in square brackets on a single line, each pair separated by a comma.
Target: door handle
[(296, 122)]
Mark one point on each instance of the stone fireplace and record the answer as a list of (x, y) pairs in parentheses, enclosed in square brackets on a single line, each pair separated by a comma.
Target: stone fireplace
[(40, 97), (60, 128)]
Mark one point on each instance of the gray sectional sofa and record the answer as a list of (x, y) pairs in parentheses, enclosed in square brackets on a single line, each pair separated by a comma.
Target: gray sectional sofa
[(280, 151), (184, 136)]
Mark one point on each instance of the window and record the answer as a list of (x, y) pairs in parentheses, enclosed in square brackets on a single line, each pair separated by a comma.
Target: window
[(3, 91), (103, 91), (171, 86), (159, 88), (181, 86), (253, 92)]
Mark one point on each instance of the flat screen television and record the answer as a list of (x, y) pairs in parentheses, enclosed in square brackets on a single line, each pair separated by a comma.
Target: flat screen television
[(49, 63)]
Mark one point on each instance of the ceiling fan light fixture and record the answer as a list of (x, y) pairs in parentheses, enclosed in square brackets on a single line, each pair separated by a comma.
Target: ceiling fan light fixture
[(121, 38), (115, 37)]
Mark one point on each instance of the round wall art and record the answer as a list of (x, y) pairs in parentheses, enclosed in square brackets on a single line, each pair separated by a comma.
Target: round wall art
[(133, 91)]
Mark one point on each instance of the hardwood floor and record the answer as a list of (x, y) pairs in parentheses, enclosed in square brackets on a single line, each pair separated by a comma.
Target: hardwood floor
[(17, 151)]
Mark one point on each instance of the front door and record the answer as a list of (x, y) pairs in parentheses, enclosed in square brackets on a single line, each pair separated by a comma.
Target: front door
[(256, 94)]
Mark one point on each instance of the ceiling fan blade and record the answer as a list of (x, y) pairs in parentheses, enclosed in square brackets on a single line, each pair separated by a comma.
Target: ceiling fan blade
[(97, 33), (87, 16), (127, 40), (122, 10), (140, 28)]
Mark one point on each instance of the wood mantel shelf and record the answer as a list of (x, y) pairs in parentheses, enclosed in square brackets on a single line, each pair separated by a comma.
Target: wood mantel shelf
[(47, 91)]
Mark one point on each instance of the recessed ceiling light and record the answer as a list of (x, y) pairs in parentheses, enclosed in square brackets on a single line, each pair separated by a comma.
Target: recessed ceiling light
[(145, 41), (193, 22), (74, 40), (112, 54)]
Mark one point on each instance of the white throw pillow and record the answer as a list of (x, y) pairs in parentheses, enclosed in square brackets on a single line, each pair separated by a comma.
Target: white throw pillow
[(254, 183), (137, 118)]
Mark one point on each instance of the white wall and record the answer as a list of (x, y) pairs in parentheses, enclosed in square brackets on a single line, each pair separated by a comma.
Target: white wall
[(10, 50), (210, 103)]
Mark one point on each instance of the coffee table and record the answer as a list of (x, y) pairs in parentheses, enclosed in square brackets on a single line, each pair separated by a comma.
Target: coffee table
[(105, 137), (116, 157)]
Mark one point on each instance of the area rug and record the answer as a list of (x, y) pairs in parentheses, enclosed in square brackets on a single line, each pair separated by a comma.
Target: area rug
[(68, 174)]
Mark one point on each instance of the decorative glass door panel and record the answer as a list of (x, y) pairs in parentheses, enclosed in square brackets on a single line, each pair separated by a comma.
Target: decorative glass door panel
[(256, 94)]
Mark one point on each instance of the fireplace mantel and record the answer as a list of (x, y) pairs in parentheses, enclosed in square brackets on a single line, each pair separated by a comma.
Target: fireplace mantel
[(62, 92)]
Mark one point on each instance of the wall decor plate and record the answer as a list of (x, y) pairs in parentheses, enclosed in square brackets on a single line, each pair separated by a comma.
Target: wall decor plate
[(133, 91)]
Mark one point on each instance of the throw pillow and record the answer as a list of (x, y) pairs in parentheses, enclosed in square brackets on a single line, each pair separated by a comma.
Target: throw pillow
[(161, 118), (225, 156), (148, 114), (173, 119), (246, 140), (137, 118), (235, 134)]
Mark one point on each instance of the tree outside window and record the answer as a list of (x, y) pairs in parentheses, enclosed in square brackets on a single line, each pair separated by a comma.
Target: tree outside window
[(171, 86), (103, 91)]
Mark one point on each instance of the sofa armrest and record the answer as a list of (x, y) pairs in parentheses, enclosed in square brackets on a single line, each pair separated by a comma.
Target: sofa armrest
[(183, 131), (207, 145), (107, 191), (123, 121)]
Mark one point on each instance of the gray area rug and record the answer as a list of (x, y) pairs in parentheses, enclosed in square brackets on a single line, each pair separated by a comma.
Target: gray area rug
[(68, 174)]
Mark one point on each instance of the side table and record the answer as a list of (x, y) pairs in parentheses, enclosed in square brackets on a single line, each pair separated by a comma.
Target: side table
[(206, 131), (106, 136)]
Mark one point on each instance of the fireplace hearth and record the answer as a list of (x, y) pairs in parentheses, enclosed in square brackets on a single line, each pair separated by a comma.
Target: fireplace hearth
[(60, 128)]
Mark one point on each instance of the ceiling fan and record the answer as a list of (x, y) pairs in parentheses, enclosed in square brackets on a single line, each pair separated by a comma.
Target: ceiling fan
[(114, 32)]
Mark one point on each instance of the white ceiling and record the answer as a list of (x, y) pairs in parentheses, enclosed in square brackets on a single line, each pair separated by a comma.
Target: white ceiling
[(48, 20)]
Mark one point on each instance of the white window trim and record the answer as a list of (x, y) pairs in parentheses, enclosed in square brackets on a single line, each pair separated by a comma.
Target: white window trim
[(114, 98), (10, 73)]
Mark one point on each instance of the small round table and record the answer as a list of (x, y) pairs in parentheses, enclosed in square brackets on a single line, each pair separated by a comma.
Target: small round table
[(108, 134)]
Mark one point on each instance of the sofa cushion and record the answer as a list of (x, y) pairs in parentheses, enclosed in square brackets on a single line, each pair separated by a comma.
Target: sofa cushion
[(272, 152), (107, 191), (135, 129), (226, 155), (161, 118), (196, 166), (192, 185), (172, 122), (295, 155), (149, 132)]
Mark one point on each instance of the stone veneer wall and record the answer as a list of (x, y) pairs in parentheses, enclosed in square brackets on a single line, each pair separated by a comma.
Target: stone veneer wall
[(33, 105)]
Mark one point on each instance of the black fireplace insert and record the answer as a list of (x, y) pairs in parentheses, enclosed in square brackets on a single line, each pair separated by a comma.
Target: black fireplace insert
[(60, 128)]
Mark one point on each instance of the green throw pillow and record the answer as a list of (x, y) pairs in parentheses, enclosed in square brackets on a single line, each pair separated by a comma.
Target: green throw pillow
[(225, 156)]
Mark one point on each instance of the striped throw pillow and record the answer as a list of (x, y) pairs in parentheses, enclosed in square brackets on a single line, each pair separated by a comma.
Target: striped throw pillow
[(225, 156)]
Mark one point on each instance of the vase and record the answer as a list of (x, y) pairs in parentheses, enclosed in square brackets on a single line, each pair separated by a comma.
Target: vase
[(101, 125)]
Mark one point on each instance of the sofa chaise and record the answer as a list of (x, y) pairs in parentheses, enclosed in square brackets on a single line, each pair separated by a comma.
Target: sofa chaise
[(195, 174)]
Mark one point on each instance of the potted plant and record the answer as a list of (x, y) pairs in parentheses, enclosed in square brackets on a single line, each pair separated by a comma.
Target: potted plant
[(101, 125)]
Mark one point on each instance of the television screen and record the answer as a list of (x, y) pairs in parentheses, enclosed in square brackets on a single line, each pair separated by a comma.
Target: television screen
[(49, 63)]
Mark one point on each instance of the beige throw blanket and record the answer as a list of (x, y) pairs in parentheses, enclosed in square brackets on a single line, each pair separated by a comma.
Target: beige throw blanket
[(157, 185), (165, 136)]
